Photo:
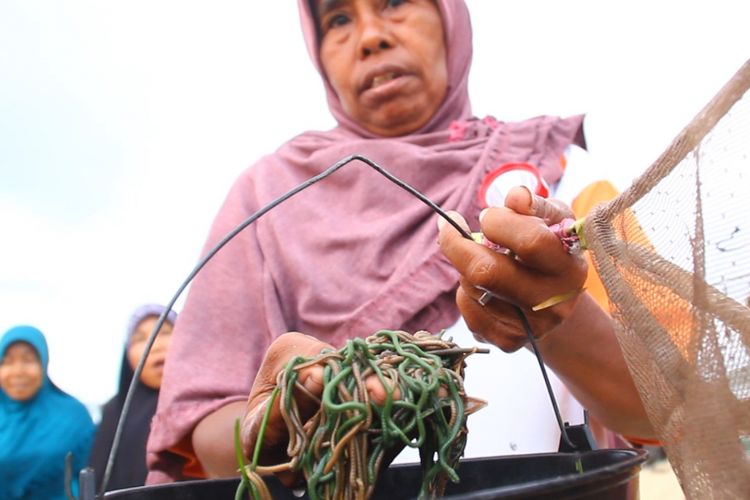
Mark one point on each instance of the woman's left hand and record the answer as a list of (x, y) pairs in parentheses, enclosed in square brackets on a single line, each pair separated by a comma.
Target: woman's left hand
[(535, 268)]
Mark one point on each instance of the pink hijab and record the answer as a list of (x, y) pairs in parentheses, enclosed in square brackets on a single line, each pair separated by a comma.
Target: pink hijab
[(457, 29), (349, 256)]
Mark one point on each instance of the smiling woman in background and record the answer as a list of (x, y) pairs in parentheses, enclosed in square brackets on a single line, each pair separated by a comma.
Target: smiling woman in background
[(39, 423)]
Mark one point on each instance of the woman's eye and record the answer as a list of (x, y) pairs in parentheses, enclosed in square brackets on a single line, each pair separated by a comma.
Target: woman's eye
[(337, 20), (138, 339), (395, 3)]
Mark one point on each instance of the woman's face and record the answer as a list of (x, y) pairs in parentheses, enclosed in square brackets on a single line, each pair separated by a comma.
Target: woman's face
[(386, 61), (153, 370), (21, 374)]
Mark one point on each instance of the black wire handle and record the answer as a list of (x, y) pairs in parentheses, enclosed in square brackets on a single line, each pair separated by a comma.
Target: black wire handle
[(257, 215), (530, 334)]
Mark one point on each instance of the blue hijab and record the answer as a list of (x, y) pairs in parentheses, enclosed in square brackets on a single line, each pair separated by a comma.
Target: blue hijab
[(35, 435)]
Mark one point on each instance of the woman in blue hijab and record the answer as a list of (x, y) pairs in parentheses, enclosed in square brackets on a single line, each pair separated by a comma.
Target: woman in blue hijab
[(39, 423)]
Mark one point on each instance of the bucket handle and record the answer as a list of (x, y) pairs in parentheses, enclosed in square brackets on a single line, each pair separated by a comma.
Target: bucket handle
[(257, 215)]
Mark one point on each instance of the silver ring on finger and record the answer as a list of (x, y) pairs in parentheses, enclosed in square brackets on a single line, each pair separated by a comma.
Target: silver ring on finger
[(484, 298)]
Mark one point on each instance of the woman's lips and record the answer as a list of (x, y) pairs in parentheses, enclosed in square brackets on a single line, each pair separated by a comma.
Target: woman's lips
[(19, 386), (379, 75), (384, 87), (384, 78)]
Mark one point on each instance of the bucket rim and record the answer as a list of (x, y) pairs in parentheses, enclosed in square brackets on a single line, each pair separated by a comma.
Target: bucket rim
[(624, 468), (621, 471)]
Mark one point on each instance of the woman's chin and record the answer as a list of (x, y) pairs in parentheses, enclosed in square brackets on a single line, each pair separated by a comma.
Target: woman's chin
[(396, 124)]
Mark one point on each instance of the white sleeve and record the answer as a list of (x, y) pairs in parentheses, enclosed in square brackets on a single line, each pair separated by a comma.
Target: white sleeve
[(579, 172)]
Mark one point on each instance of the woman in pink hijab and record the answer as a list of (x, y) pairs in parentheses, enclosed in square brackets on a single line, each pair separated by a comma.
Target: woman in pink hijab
[(354, 254)]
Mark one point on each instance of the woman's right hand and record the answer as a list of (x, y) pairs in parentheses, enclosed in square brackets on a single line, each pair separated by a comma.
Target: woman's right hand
[(273, 450), (276, 436)]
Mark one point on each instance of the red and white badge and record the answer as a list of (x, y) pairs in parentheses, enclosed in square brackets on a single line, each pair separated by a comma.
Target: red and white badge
[(499, 181)]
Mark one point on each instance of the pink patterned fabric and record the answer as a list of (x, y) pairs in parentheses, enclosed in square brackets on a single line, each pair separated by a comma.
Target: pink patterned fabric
[(349, 256), (568, 237)]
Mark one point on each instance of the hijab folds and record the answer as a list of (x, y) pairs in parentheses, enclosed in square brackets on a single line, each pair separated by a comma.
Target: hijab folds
[(35, 435), (349, 256)]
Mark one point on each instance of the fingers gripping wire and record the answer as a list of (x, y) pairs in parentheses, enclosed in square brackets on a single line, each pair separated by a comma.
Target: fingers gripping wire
[(251, 219)]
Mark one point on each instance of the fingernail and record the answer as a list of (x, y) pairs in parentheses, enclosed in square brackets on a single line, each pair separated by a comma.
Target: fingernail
[(440, 222), (482, 213), (532, 197)]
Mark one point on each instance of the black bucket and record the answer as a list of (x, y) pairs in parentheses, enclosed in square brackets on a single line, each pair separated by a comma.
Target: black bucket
[(598, 474)]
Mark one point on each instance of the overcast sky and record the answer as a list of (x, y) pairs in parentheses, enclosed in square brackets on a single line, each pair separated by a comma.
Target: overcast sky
[(122, 125)]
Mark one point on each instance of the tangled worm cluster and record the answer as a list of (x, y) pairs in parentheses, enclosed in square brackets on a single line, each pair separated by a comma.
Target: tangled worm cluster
[(341, 449)]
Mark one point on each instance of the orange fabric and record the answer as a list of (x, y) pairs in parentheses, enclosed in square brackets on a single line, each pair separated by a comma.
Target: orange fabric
[(594, 194), (674, 318), (672, 312), (192, 467)]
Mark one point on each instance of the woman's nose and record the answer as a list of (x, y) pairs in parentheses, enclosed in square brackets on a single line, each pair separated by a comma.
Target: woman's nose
[(161, 343), (375, 35)]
